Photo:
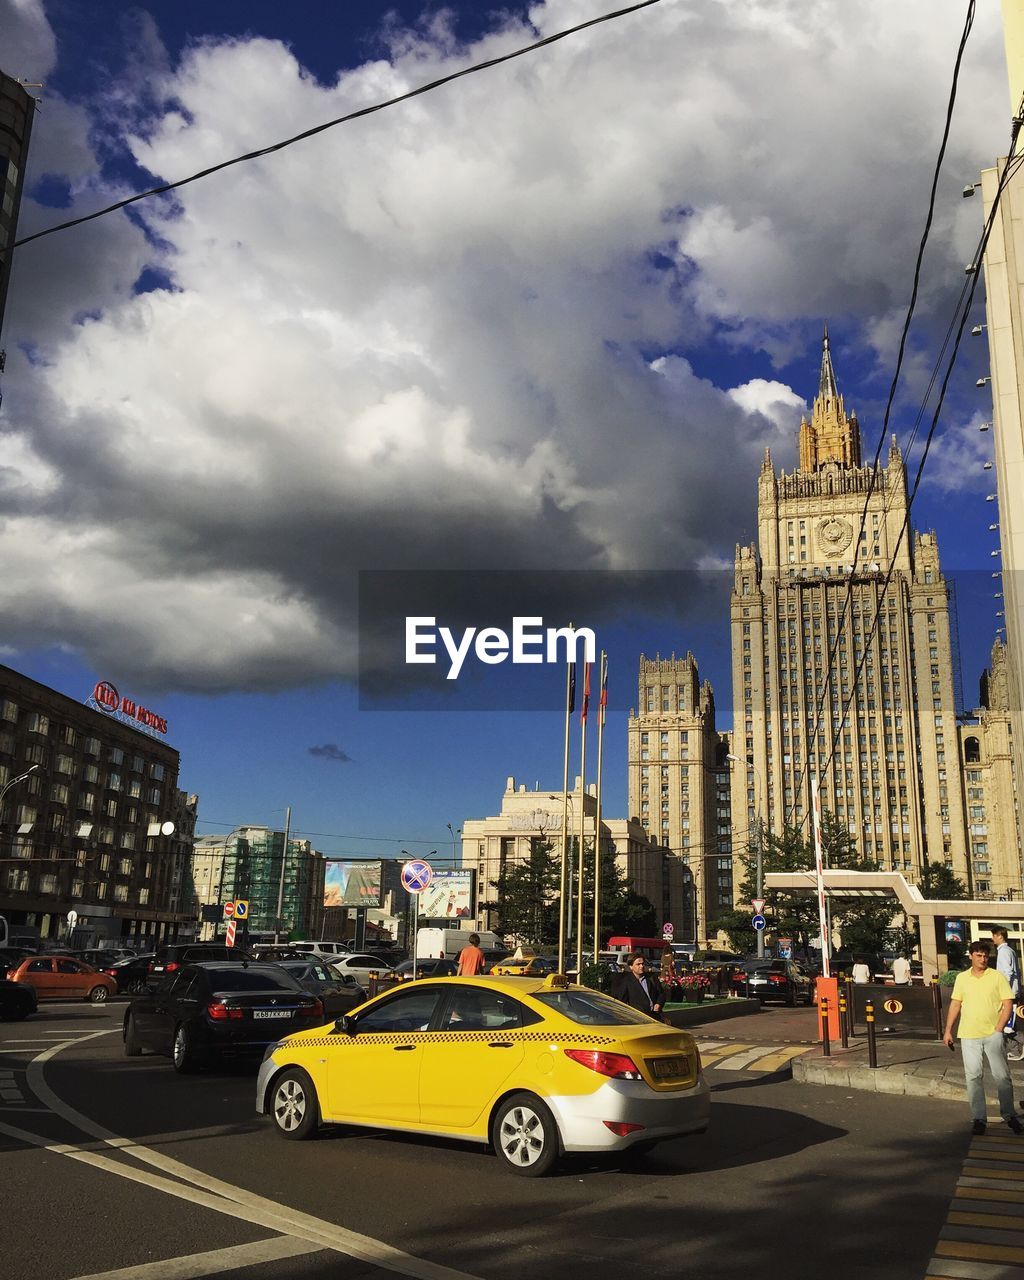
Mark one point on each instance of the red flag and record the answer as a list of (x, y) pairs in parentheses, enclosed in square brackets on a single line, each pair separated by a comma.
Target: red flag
[(604, 687), (586, 694)]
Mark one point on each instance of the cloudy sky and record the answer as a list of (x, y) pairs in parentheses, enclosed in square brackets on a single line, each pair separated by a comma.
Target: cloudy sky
[(546, 317)]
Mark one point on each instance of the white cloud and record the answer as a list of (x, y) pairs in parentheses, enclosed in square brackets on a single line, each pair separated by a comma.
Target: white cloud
[(454, 334)]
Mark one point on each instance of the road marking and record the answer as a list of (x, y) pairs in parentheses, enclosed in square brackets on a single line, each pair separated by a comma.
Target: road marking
[(737, 1061), (197, 1265), (776, 1061), (732, 1056), (224, 1197), (983, 1235)]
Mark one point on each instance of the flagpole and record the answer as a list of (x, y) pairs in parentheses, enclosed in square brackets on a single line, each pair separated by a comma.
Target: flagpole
[(584, 702), (602, 709), (570, 706)]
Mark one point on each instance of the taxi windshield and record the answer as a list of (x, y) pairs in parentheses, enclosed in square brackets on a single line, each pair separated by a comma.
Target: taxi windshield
[(591, 1009)]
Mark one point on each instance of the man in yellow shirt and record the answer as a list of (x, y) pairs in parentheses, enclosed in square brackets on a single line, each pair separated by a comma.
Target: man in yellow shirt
[(983, 1001)]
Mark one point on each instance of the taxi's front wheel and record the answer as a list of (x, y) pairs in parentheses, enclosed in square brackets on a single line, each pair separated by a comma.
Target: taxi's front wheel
[(293, 1105), (525, 1135)]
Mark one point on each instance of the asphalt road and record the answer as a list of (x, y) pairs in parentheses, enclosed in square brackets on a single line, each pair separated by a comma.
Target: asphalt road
[(108, 1163)]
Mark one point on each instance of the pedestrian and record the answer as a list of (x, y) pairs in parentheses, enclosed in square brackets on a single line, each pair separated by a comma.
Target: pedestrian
[(861, 973), (471, 958), (638, 989), (982, 1000), (1006, 963), (901, 971)]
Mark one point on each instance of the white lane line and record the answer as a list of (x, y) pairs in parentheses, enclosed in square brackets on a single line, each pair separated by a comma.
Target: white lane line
[(737, 1061), (227, 1198), (197, 1265)]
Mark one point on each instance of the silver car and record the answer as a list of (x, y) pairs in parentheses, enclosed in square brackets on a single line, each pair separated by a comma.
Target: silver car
[(360, 966)]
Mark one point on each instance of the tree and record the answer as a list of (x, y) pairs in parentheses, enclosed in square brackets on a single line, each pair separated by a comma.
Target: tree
[(939, 883), (524, 892)]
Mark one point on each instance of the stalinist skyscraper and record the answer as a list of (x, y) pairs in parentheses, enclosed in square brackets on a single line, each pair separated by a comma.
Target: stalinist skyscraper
[(894, 777)]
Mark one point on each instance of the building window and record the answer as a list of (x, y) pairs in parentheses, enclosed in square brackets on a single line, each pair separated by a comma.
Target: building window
[(91, 746), (38, 723)]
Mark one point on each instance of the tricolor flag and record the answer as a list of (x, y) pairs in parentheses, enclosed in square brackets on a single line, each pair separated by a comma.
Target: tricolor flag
[(571, 704), (604, 689), (586, 694)]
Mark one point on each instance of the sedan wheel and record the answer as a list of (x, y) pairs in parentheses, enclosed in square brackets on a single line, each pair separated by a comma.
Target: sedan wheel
[(293, 1105), (137, 986), (98, 995), (525, 1135), (183, 1054), (132, 1045)]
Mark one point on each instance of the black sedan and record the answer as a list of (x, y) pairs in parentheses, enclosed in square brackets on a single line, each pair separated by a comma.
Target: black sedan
[(339, 992), (773, 980), (129, 974), (207, 1012), (436, 968), (17, 1000)]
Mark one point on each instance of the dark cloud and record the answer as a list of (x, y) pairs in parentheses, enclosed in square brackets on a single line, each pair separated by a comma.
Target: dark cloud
[(331, 751)]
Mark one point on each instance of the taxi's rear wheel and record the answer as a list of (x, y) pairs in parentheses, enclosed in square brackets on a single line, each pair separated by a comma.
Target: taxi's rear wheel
[(293, 1105), (525, 1136)]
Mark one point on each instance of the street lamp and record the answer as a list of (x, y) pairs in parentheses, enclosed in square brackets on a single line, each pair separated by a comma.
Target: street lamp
[(760, 843), (14, 782)]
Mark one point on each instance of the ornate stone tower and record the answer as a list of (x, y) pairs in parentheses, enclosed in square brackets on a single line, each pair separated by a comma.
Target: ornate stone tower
[(878, 726)]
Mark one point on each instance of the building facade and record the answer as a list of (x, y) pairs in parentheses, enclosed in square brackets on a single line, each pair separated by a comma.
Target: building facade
[(876, 724), (490, 845), (989, 786), (247, 865), (91, 820), (17, 108), (679, 782)]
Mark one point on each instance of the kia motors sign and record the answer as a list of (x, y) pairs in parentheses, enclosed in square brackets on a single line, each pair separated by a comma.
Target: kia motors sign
[(106, 698)]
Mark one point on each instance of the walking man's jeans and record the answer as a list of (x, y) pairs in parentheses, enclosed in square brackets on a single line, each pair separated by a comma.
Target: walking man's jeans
[(975, 1053)]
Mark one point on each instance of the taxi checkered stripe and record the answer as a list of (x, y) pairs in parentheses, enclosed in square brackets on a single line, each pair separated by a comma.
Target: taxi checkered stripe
[(450, 1037)]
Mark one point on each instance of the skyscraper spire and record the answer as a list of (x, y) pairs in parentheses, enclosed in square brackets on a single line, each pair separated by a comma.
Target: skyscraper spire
[(827, 389)]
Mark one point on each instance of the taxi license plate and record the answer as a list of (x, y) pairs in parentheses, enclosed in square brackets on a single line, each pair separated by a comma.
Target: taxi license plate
[(271, 1013), (669, 1068)]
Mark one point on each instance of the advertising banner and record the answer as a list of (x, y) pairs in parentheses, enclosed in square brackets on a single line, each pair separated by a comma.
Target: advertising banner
[(449, 896), (352, 884)]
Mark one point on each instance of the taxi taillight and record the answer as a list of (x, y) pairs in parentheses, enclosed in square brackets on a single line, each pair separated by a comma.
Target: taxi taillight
[(618, 1066)]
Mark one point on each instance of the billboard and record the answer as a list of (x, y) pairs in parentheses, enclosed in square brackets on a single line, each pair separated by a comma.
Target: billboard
[(449, 896), (352, 884)]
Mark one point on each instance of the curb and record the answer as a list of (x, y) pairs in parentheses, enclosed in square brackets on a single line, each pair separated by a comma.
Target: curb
[(896, 1079), (696, 1015)]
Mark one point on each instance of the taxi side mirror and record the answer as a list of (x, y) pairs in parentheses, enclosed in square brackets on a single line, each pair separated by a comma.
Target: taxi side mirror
[(346, 1023)]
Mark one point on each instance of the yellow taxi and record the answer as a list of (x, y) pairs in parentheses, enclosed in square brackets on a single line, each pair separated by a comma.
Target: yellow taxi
[(532, 1067), (526, 966)]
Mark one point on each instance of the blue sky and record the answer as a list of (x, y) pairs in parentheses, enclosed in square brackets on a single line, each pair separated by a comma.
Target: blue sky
[(546, 318)]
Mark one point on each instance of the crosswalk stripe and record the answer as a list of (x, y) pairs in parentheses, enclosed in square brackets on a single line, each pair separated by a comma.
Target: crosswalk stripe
[(994, 1221), (773, 1061), (716, 1054), (980, 1252), (994, 1194), (737, 1061)]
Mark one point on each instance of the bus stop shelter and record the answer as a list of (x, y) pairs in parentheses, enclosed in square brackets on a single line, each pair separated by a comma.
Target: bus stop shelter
[(931, 915)]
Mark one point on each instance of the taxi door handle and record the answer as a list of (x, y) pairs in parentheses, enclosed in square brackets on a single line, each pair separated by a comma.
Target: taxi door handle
[(403, 1048), (499, 1044)]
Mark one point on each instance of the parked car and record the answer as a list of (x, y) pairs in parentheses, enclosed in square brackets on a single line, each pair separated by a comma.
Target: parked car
[(329, 950), (532, 967), (766, 980), (361, 965), (129, 974), (101, 957), (173, 956), (17, 1000), (339, 992), (610, 1077), (63, 978), (216, 1010), (439, 967), (11, 957)]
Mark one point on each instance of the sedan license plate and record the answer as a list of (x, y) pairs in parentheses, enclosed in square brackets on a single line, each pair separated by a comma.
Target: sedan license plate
[(271, 1013), (669, 1068)]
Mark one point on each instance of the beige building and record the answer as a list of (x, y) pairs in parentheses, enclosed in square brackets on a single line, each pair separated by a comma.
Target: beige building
[(1004, 313), (679, 782), (530, 817), (894, 775), (989, 793)]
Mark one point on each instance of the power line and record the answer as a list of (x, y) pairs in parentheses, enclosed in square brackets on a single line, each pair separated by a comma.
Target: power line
[(331, 124)]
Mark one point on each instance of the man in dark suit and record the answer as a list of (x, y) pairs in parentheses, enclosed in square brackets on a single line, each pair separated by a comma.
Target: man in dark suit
[(639, 989)]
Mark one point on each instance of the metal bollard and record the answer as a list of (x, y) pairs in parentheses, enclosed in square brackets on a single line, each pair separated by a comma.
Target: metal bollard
[(843, 1032), (372, 978), (869, 1018), (826, 1046), (850, 1006), (937, 1007)]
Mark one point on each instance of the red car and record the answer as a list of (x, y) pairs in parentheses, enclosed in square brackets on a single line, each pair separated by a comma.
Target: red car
[(63, 978)]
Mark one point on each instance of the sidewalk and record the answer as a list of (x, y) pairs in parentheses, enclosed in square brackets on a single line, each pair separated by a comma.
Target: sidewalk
[(912, 1064)]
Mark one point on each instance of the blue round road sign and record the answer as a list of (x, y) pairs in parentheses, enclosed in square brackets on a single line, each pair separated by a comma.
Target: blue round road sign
[(758, 922), (417, 875)]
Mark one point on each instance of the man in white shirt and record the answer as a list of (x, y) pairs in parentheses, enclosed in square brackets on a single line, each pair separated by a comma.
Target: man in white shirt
[(1006, 964), (901, 971)]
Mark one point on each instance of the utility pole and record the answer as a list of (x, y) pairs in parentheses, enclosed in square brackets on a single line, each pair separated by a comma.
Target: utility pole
[(760, 880)]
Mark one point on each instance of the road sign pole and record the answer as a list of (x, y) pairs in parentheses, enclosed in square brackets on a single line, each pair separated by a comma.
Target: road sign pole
[(760, 881), (415, 930)]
